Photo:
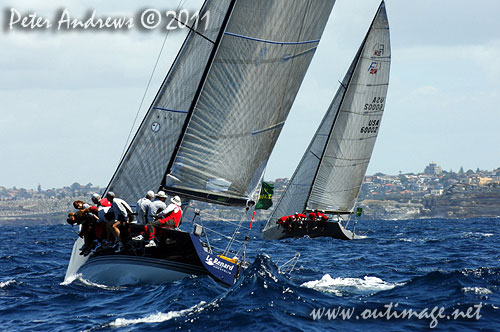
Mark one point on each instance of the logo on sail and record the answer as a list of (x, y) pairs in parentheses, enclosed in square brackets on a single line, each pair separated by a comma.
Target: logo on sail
[(374, 67), (378, 49), (155, 127)]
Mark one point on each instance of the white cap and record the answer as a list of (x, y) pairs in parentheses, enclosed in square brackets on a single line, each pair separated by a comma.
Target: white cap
[(176, 200), (161, 194), (150, 194)]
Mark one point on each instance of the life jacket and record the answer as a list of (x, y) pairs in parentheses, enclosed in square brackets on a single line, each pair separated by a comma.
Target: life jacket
[(104, 202), (175, 216)]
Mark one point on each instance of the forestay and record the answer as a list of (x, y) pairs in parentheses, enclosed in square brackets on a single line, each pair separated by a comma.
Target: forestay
[(260, 62)]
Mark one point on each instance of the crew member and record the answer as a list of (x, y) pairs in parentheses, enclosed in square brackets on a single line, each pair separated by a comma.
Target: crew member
[(170, 218), (96, 199), (123, 214), (143, 206), (157, 206)]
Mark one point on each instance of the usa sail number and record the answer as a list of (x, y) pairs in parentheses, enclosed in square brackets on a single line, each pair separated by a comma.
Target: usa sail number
[(377, 104)]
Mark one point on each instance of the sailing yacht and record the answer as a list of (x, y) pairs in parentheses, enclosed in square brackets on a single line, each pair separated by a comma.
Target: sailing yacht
[(330, 173), (210, 130)]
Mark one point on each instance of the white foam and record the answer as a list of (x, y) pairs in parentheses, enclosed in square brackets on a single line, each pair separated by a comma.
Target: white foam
[(341, 286), (155, 318), (406, 240), (477, 290), (70, 279), (4, 284), (477, 234)]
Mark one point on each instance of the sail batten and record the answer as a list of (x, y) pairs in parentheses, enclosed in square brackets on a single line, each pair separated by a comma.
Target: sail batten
[(272, 41)]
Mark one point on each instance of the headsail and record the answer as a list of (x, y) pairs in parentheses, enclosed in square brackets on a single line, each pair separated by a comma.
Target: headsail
[(330, 173), (143, 165), (295, 197), (260, 62)]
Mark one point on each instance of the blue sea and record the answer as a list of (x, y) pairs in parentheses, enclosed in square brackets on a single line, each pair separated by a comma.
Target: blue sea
[(408, 275)]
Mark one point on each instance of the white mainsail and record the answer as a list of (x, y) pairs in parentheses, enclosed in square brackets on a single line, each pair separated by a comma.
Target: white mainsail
[(252, 82), (210, 131)]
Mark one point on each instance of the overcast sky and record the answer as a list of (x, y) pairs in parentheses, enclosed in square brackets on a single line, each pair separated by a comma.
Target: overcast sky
[(68, 99)]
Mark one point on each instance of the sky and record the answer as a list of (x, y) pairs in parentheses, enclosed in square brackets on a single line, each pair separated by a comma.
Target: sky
[(68, 99)]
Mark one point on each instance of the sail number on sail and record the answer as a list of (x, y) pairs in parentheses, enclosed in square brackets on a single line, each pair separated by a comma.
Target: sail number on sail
[(377, 104), (371, 128)]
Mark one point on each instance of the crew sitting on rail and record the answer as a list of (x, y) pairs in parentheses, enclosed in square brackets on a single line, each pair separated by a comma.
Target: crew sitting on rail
[(104, 215), (321, 220), (98, 201), (80, 205), (123, 215), (312, 221), (169, 218), (87, 221)]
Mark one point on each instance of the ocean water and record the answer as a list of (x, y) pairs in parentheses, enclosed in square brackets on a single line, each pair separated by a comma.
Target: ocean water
[(447, 272)]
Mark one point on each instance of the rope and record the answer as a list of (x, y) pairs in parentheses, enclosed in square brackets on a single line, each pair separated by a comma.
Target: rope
[(220, 234)]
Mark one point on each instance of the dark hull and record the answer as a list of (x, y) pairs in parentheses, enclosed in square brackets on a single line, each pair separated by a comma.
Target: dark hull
[(330, 229), (178, 255)]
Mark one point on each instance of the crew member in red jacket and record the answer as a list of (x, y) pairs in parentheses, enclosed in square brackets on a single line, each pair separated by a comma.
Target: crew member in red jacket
[(169, 218)]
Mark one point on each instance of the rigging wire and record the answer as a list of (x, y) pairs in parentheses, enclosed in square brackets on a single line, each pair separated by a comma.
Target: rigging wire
[(236, 231), (181, 3)]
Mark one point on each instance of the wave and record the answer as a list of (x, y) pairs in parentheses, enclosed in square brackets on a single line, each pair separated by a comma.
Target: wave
[(344, 286), (7, 283), (419, 240), (477, 234), (158, 317), (477, 290), (78, 277)]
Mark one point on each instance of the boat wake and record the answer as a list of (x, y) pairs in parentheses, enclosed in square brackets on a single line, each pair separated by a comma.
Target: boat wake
[(158, 317), (348, 286), (78, 277)]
